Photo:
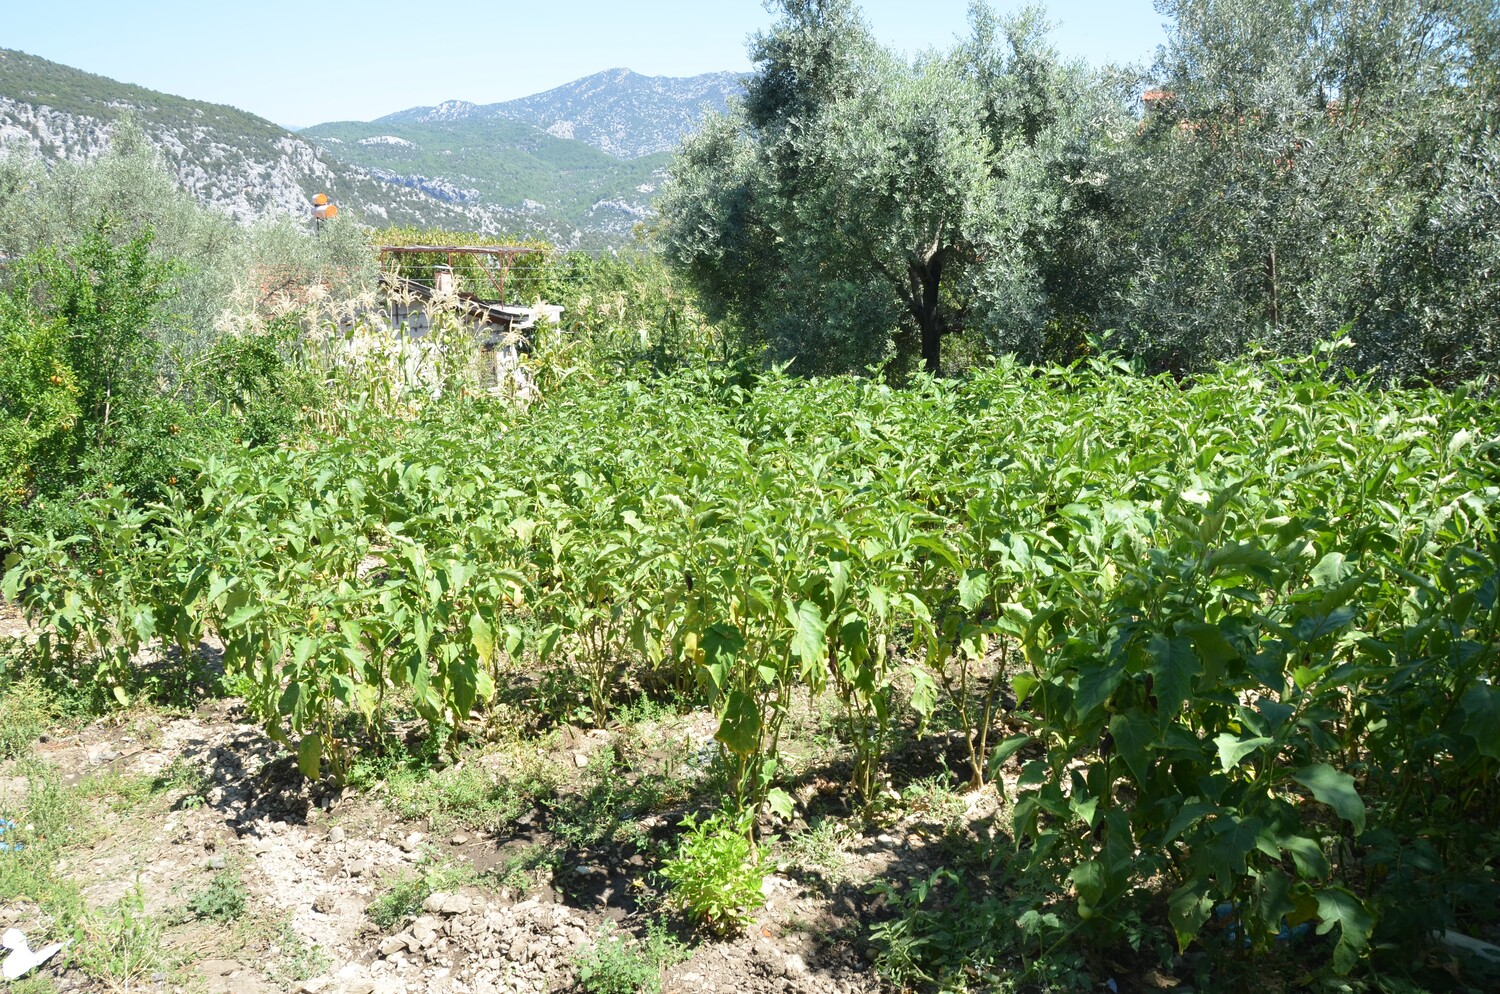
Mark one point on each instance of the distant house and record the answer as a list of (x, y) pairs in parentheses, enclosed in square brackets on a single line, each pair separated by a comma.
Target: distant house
[(502, 331)]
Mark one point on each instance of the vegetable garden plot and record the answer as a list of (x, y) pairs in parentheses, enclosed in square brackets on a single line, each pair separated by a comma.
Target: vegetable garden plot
[(1251, 621)]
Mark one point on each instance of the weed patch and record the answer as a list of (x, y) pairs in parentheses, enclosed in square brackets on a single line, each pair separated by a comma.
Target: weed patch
[(401, 896), (224, 899), (619, 964)]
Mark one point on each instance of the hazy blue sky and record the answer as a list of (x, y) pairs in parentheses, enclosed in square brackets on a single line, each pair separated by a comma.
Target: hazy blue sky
[(305, 63)]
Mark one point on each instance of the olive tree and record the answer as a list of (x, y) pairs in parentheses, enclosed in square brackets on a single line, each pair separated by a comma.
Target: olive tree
[(859, 206), (1305, 168)]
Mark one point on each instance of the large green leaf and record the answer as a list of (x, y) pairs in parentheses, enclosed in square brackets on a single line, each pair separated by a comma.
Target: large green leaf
[(1233, 749), (1095, 685), (1337, 906), (310, 755), (1188, 908), (1244, 557), (973, 588), (1089, 880), (740, 724), (1134, 735), (1174, 665), (807, 634), (1336, 790), (1481, 706), (1004, 751), (483, 637), (1314, 627)]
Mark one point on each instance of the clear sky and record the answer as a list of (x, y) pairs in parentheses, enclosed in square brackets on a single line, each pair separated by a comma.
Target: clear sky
[(306, 63)]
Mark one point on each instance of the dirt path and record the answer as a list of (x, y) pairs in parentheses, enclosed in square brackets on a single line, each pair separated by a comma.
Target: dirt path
[(311, 860)]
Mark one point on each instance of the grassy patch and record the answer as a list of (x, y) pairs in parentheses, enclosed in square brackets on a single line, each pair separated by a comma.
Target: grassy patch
[(824, 847), (119, 944), (932, 799), (287, 957), (618, 964), (402, 895), (521, 872), (26, 711), (120, 791), (293, 959), (223, 900), (468, 795), (608, 804), (181, 775)]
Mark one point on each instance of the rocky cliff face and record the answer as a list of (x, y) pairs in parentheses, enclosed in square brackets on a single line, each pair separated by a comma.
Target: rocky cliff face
[(235, 162), (578, 165), (617, 111)]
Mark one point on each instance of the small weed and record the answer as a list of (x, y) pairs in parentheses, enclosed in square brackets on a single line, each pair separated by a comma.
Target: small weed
[(223, 900), (54, 813), (463, 796), (123, 946), (616, 964), (26, 710), (609, 808), (936, 801), (36, 984), (519, 872), (824, 846), (292, 959), (123, 791), (184, 776), (403, 895), (647, 709), (237, 684)]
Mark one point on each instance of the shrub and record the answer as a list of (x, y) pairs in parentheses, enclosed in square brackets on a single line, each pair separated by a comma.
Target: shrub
[(717, 873)]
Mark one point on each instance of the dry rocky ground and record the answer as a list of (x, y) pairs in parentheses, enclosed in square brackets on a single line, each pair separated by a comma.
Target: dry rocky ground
[(185, 804)]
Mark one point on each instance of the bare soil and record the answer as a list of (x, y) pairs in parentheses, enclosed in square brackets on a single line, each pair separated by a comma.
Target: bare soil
[(312, 858)]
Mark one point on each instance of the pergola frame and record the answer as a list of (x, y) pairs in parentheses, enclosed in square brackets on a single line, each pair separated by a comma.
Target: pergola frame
[(505, 253)]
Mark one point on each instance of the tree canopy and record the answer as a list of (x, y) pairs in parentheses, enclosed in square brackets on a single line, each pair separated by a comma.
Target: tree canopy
[(1286, 171), (859, 207)]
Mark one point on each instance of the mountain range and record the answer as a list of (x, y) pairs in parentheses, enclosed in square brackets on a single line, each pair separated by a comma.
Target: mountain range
[(616, 111), (578, 165)]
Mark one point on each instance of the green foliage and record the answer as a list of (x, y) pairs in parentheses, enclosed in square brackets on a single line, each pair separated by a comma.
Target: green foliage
[(1245, 623), (299, 959), (467, 795), (401, 896), (223, 900), (26, 710), (127, 192), (38, 401), (80, 322), (123, 946), (716, 873), (624, 315), (859, 207), (616, 964), (1296, 168), (1302, 167), (119, 944), (260, 380)]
